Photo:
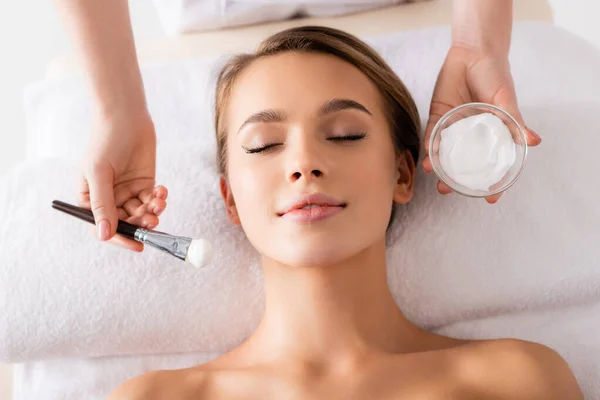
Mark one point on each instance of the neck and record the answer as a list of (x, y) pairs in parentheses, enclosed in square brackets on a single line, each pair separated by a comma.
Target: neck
[(335, 312)]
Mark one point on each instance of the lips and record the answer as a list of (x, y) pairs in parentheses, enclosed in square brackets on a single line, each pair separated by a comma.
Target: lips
[(311, 208)]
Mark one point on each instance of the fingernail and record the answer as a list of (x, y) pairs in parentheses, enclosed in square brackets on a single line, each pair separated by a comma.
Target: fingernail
[(103, 230), (158, 210), (534, 133)]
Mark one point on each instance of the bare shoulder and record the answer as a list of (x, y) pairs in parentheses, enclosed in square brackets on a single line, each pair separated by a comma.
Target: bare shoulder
[(140, 387), (160, 385), (517, 369)]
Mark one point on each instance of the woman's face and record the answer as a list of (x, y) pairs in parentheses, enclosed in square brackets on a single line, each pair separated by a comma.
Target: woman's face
[(310, 127)]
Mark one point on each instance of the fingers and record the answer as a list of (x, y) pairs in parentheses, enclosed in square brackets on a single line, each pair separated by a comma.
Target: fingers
[(493, 199), (121, 241), (443, 188), (426, 163), (128, 202), (148, 201), (141, 207), (157, 206), (510, 106), (128, 244), (159, 203), (83, 195), (132, 210), (128, 190), (138, 213), (533, 139), (148, 221), (148, 194), (144, 215), (437, 109), (155, 199), (161, 192), (102, 200), (433, 119), (122, 214), (134, 207)]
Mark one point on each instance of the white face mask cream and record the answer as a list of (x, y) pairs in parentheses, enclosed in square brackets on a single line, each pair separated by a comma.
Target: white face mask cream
[(477, 152)]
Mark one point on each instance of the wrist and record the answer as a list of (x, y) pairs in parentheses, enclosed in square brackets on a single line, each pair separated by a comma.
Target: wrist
[(482, 26), (125, 120), (481, 43), (120, 104), (470, 55)]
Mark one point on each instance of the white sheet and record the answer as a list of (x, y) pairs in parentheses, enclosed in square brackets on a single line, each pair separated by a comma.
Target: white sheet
[(508, 286)]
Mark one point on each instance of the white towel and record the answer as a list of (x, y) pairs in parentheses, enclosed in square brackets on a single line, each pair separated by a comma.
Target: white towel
[(571, 331), (91, 379), (456, 265), (200, 15)]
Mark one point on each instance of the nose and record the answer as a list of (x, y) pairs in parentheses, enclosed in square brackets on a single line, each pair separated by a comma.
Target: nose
[(315, 173), (305, 162)]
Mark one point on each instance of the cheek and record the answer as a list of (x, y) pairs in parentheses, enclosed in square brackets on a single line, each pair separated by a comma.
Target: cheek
[(375, 176), (252, 187), (374, 169)]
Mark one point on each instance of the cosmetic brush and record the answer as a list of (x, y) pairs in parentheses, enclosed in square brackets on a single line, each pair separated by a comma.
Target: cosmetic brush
[(197, 252)]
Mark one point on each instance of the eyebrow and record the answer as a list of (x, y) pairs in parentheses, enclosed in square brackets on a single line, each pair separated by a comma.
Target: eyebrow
[(334, 105), (340, 105)]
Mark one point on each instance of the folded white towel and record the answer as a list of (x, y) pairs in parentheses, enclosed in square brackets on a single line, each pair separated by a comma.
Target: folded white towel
[(199, 15), (456, 265)]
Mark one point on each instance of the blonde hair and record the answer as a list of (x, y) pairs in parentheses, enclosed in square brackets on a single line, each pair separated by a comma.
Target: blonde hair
[(400, 108)]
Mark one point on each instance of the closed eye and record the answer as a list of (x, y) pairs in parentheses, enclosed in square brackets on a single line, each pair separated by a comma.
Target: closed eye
[(259, 149), (355, 136), (252, 150)]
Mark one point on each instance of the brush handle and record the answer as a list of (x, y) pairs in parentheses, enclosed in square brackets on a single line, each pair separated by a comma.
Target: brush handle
[(123, 228)]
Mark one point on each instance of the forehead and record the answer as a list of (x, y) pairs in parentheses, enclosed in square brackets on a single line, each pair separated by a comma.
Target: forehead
[(298, 83)]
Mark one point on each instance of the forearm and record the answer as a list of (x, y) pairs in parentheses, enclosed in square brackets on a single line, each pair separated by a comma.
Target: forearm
[(103, 39), (482, 25)]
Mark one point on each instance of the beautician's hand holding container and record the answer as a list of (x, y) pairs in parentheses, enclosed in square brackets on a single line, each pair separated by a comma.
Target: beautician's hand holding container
[(478, 150)]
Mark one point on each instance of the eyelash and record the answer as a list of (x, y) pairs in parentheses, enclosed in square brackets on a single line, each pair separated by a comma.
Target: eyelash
[(345, 138)]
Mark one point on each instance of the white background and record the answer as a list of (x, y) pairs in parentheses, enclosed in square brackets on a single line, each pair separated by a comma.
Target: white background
[(31, 35)]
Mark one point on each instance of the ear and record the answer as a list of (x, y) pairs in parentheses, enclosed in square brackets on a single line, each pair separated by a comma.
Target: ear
[(405, 178), (229, 202)]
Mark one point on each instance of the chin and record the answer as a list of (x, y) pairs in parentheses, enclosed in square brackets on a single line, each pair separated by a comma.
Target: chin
[(314, 255), (311, 261), (317, 248)]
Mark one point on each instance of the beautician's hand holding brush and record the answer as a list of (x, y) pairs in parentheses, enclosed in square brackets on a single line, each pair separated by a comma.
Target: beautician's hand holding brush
[(197, 252)]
